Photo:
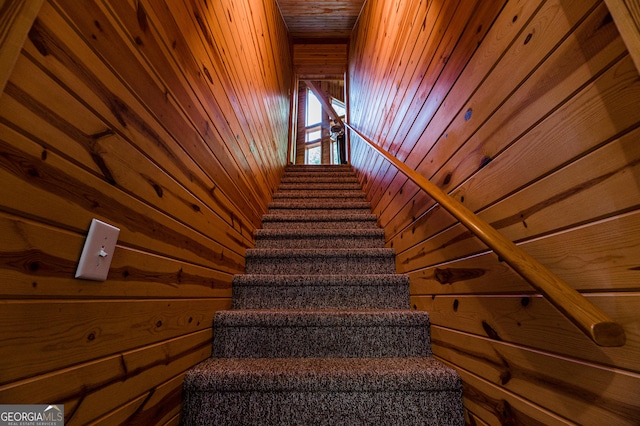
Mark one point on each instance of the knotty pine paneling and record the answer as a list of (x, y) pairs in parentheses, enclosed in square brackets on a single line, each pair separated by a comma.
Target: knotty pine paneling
[(557, 383), (530, 320), (320, 19), (168, 120), (319, 61), (528, 113), (574, 255)]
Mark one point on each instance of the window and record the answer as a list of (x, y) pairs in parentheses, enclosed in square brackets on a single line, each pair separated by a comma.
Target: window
[(314, 110), (338, 107), (313, 130), (313, 134), (313, 154), (334, 152)]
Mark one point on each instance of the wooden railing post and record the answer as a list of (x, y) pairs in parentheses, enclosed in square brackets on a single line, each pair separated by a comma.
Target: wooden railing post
[(588, 317)]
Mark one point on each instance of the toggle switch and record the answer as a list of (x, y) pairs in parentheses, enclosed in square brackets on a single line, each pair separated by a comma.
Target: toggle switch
[(97, 252)]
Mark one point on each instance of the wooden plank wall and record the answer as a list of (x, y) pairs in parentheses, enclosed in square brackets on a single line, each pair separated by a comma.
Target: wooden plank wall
[(529, 113), (320, 61), (168, 120), (320, 19)]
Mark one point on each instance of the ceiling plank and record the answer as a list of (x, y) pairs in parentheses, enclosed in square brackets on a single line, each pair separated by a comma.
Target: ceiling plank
[(320, 19)]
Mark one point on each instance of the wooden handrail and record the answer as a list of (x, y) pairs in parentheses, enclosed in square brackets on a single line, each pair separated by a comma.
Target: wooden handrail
[(589, 318)]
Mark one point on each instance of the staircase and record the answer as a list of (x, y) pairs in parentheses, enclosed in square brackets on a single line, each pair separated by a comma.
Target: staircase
[(321, 332)]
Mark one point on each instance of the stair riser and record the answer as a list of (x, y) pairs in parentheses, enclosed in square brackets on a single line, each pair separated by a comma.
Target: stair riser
[(315, 342), (297, 408), (316, 177), (320, 193), (319, 242), (320, 199), (316, 297), (320, 171), (320, 225), (317, 168), (319, 179), (284, 223), (310, 187), (324, 204), (316, 211), (320, 265)]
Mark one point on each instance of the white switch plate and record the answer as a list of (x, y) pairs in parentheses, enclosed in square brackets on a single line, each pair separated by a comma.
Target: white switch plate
[(97, 252)]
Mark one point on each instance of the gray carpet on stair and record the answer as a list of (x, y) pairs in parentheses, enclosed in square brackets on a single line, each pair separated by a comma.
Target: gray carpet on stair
[(320, 261), (320, 331), (374, 291), (324, 333)]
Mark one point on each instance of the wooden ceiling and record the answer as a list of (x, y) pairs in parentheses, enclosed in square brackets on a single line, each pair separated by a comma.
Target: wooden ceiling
[(320, 19)]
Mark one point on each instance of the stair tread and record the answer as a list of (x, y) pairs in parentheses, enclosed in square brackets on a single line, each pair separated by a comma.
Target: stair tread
[(320, 232), (322, 317), (320, 205), (320, 280), (323, 374), (321, 252), (316, 167), (318, 178), (367, 291), (298, 195), (309, 186), (319, 217), (315, 175)]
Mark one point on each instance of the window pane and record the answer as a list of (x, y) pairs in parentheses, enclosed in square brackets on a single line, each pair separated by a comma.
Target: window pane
[(313, 135), (334, 152), (314, 109), (313, 155), (338, 107)]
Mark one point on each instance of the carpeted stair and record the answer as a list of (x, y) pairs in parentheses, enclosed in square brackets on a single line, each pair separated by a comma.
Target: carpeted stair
[(321, 332)]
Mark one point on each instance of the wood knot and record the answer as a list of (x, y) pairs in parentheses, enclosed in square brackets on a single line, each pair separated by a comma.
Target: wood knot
[(468, 114), (158, 189), (485, 161), (505, 377), (38, 39), (33, 172), (491, 332)]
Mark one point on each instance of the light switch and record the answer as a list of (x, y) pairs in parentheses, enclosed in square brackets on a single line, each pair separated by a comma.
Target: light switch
[(97, 252)]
